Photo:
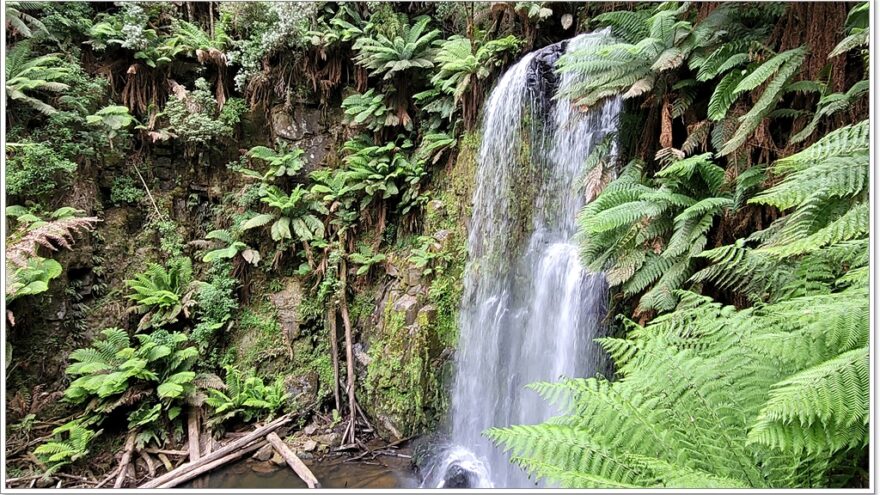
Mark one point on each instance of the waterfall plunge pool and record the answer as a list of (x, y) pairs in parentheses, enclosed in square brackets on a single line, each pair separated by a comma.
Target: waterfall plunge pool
[(381, 472)]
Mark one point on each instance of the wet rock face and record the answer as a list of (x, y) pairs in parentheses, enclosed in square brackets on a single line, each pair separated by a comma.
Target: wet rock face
[(542, 78), (302, 389), (287, 304), (304, 127)]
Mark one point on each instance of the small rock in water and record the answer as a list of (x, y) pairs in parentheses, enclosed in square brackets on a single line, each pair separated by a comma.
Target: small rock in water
[(277, 459), (264, 453), (458, 477), (263, 467), (310, 446)]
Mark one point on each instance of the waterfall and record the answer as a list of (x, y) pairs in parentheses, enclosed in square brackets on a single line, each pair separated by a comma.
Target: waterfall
[(530, 311)]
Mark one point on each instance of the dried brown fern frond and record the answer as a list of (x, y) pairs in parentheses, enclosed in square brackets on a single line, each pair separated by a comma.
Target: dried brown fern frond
[(51, 235)]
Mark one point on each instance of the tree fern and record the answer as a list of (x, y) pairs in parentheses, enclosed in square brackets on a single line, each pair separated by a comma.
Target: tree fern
[(857, 26), (669, 217), (788, 64), (829, 105)]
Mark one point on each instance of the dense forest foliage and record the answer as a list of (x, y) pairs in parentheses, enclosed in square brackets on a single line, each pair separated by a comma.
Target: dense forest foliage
[(222, 213)]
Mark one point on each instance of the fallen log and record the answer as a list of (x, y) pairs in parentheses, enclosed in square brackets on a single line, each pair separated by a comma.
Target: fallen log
[(243, 442), (293, 461)]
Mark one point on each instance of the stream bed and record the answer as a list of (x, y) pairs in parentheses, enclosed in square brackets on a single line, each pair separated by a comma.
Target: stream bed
[(382, 472)]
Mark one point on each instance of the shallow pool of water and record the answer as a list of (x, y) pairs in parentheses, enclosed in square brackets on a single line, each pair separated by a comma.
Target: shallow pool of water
[(382, 472)]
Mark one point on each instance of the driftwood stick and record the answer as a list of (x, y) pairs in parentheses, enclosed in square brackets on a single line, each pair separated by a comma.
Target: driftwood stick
[(293, 461), (153, 450), (239, 444), (109, 477), (24, 478), (151, 466), (165, 461), (210, 466), (364, 417), (192, 433), (126, 459), (392, 444)]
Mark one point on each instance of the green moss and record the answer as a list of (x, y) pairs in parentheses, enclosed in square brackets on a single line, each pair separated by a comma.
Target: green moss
[(257, 339), (397, 379), (361, 306), (257, 343)]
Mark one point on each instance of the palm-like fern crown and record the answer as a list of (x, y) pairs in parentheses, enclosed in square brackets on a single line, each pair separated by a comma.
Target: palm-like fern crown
[(411, 48), (23, 22), (825, 190), (644, 234), (26, 74), (664, 54), (460, 61)]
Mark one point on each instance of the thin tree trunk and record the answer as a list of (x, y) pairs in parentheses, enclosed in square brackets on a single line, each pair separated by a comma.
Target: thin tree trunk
[(349, 352), (334, 349), (126, 459), (211, 17), (192, 433)]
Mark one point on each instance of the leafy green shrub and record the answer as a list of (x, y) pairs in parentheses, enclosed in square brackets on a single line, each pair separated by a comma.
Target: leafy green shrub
[(125, 190), (197, 119), (365, 258), (33, 278), (112, 120), (295, 215), (232, 249), (162, 294), (270, 28), (216, 303), (429, 256), (283, 161), (62, 450), (170, 239), (383, 172), (107, 369), (151, 379), (246, 395), (369, 111), (35, 169)]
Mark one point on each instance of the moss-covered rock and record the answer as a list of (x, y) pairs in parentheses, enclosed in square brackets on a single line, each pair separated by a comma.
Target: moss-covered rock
[(410, 343)]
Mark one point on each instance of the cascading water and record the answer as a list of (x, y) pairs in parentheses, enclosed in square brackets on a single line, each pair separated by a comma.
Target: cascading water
[(530, 311)]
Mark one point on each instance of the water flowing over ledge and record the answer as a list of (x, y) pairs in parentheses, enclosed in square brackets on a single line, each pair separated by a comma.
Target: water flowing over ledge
[(530, 311)]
